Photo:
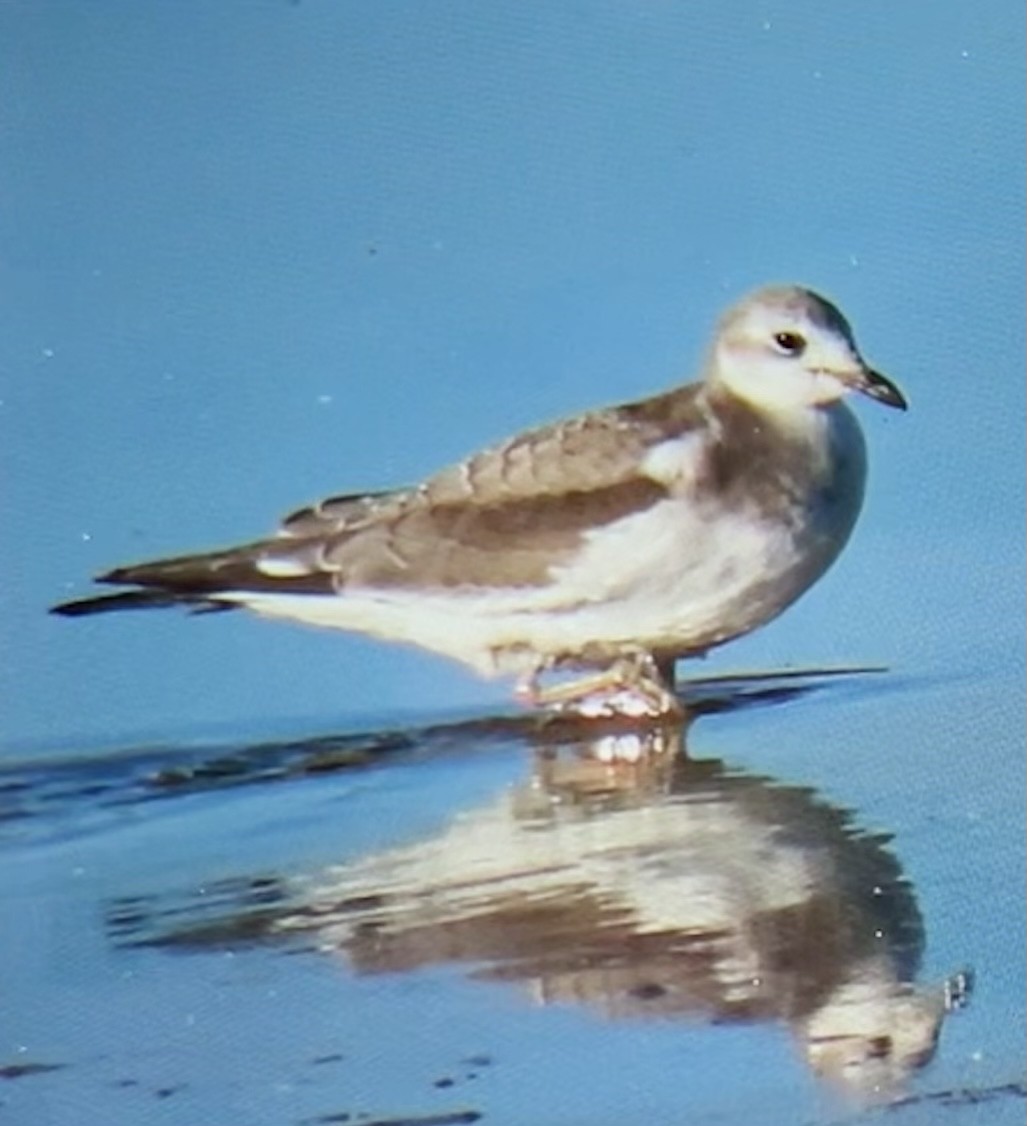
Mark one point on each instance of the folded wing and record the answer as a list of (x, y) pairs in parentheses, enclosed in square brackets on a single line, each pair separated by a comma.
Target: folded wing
[(502, 518)]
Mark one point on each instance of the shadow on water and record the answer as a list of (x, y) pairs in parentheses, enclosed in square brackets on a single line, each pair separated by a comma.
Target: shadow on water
[(53, 793), (619, 874)]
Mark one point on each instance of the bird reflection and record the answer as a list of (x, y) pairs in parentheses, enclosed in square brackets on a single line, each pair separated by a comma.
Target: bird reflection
[(625, 876)]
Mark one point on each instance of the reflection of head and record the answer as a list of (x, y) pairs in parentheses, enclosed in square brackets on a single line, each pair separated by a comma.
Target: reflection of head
[(873, 1030)]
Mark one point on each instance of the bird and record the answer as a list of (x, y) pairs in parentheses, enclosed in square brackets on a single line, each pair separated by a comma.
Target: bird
[(587, 556)]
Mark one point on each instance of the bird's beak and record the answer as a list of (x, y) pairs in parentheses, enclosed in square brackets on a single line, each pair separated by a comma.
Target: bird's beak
[(877, 386)]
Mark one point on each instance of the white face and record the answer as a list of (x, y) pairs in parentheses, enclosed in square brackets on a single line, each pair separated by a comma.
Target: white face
[(787, 348)]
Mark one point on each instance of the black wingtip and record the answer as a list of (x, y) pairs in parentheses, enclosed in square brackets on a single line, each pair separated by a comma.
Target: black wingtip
[(137, 600)]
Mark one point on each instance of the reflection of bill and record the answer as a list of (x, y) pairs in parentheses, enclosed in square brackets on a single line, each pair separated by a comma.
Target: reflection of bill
[(632, 879)]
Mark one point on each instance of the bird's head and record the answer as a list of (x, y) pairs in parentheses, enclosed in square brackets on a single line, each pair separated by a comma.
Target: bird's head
[(785, 348)]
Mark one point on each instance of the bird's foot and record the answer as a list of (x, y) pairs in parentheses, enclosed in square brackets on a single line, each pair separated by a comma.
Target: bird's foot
[(634, 686)]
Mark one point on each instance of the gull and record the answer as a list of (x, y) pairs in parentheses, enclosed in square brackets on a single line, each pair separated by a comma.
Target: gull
[(612, 543)]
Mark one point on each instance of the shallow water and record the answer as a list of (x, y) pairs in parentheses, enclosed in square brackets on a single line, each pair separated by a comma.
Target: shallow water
[(807, 907), (315, 248)]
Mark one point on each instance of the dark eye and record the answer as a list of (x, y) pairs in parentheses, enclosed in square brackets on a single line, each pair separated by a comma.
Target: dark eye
[(791, 343)]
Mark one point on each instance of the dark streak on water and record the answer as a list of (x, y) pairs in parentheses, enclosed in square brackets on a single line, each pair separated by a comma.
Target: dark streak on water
[(51, 792), (455, 1118)]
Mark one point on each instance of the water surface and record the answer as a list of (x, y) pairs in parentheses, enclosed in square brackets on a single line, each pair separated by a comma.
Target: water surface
[(774, 915)]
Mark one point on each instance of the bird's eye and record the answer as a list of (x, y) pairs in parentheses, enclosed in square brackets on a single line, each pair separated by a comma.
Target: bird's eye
[(790, 343)]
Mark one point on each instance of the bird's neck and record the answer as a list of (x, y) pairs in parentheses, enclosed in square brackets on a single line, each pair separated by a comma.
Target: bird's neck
[(792, 419)]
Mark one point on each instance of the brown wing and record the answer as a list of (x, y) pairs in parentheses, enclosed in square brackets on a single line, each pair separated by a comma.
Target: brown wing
[(504, 516)]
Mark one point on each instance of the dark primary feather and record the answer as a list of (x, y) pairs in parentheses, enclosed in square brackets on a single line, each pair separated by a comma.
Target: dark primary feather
[(214, 571), (138, 600), (192, 581)]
